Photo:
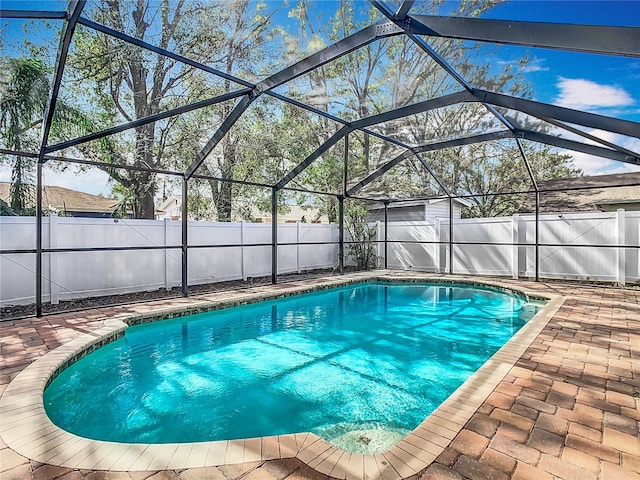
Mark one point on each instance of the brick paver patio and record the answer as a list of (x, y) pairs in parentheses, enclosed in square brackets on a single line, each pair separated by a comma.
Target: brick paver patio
[(568, 409)]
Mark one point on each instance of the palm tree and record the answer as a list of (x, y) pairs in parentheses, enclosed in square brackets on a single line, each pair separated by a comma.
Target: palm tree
[(24, 87)]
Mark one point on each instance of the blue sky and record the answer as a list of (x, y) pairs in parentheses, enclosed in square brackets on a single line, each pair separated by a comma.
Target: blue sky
[(601, 84), (597, 83)]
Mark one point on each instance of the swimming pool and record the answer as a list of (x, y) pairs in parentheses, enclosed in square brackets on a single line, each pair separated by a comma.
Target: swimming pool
[(360, 366)]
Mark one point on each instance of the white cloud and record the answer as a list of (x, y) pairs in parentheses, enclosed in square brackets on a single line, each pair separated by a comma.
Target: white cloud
[(592, 165), (92, 181), (580, 93), (534, 65)]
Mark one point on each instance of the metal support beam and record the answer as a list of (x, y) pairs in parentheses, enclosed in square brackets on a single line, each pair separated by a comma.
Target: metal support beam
[(577, 146), (335, 138), (376, 173), (233, 117), (539, 109), (103, 165), (425, 47), (185, 239), (341, 233), (274, 236), (33, 14), (345, 179), (39, 239), (346, 45), (386, 235), (457, 77), (75, 8), (281, 76), (433, 175), (73, 13), (339, 120), (588, 136), (150, 119), (532, 108), (420, 107), (537, 236), (403, 9), (451, 235), (623, 41), (345, 166), (457, 142), (523, 154), (569, 115), (161, 51)]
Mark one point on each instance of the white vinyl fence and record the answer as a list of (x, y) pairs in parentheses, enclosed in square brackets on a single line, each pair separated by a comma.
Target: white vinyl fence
[(69, 275), (609, 260), (72, 275)]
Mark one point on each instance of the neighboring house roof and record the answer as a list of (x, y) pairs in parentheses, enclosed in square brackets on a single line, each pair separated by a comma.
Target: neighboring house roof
[(170, 204), (416, 203), (66, 200), (594, 199)]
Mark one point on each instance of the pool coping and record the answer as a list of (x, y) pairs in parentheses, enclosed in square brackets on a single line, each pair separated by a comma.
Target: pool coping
[(27, 429)]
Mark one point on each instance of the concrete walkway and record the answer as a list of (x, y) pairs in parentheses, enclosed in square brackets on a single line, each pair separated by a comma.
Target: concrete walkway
[(569, 408)]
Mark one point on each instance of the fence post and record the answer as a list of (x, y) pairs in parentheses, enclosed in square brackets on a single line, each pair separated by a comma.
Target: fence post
[(167, 259), (243, 270), (54, 288), (298, 246), (523, 227), (621, 251), (515, 250), (438, 250), (274, 236), (378, 245)]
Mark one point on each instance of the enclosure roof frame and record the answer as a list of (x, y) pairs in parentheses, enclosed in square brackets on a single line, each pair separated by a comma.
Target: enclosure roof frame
[(608, 40)]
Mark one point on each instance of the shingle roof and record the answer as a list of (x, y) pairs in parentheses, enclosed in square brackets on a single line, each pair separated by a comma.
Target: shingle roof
[(585, 200), (64, 199)]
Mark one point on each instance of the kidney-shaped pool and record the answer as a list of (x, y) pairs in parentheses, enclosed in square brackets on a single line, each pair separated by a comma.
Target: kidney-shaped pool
[(360, 366)]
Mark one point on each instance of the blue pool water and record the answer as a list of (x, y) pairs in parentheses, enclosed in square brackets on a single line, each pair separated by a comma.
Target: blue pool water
[(359, 365)]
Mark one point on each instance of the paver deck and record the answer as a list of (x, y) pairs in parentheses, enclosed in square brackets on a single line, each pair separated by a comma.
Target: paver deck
[(568, 408)]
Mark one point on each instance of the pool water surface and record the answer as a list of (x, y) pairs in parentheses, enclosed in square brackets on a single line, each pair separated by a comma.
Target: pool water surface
[(360, 365)]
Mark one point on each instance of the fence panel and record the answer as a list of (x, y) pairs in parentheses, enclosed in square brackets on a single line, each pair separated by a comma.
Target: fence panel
[(483, 259), (17, 279), (317, 256), (73, 275), (572, 262), (69, 275), (405, 254), (217, 264), (602, 260)]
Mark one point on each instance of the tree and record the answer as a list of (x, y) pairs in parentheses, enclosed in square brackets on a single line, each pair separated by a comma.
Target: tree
[(394, 72), (243, 28), (132, 83), (25, 89)]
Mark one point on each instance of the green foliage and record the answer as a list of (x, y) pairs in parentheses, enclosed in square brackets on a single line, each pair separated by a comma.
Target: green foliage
[(363, 250), (25, 87), (6, 210), (109, 82), (394, 72)]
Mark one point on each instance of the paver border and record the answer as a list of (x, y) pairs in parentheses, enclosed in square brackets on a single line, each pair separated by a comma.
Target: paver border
[(27, 429)]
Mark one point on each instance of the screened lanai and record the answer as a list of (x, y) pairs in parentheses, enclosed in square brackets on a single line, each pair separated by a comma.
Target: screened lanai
[(396, 104)]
